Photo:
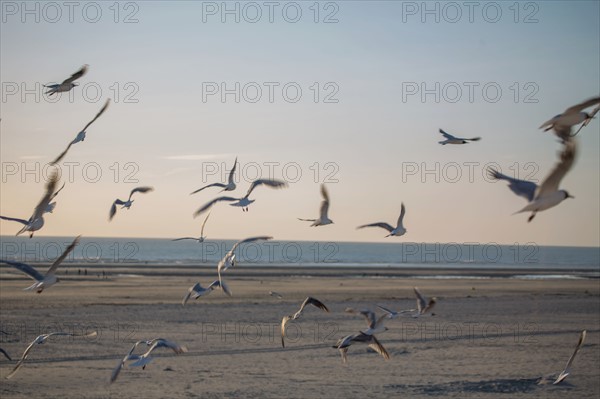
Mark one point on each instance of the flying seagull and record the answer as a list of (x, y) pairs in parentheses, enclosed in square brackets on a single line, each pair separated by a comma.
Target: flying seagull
[(127, 204), (392, 314), (450, 139), (562, 123), (229, 258), (423, 305), (230, 186), (143, 359), (199, 239), (43, 280), (344, 343), (81, 135), (36, 221), (40, 340), (68, 83), (375, 325), (276, 294), (397, 231), (323, 218), (546, 195), (308, 301), (243, 202), (567, 369), (196, 291)]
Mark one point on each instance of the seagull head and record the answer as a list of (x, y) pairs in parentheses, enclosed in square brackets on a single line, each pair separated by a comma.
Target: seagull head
[(566, 194)]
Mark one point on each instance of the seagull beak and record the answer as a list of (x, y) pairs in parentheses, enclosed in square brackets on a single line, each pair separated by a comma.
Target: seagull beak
[(570, 196)]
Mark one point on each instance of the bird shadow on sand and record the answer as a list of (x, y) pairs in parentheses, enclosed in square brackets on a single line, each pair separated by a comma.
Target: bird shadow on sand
[(523, 385)]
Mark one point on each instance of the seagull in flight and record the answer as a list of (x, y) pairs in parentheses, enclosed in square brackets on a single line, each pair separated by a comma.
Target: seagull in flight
[(243, 202), (450, 139), (127, 204), (308, 301), (43, 280), (323, 218), (229, 258), (546, 195), (375, 325), (196, 291), (423, 305), (199, 239), (562, 123), (392, 314), (68, 83), (567, 369), (344, 343), (397, 231), (230, 186), (143, 359), (40, 340), (276, 294), (36, 221), (81, 135)]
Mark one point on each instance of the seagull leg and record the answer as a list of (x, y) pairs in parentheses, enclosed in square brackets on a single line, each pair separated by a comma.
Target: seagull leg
[(531, 217)]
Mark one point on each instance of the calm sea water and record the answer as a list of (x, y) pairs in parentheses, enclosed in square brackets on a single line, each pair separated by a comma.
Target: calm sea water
[(304, 253)]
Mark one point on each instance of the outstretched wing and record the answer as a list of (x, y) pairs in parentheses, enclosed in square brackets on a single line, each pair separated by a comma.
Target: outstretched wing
[(325, 202), (210, 185), (567, 159), (97, 115), (76, 75), (25, 268), (522, 188), (567, 369), (22, 221), (267, 182), (142, 190), (378, 224), (315, 302), (583, 105), (401, 217), (247, 240), (209, 204), (113, 209), (62, 154), (447, 135), (232, 172), (203, 224), (43, 204), (62, 257), (421, 301)]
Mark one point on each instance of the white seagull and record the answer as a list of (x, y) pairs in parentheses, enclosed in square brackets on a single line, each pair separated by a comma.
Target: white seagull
[(43, 280), (323, 218), (567, 369), (450, 139), (230, 186), (344, 343), (229, 258), (127, 204), (375, 325), (243, 202), (68, 83), (546, 195), (81, 135), (143, 359), (199, 239), (196, 291), (40, 340), (423, 305), (392, 314), (397, 231), (308, 301), (562, 123), (36, 221)]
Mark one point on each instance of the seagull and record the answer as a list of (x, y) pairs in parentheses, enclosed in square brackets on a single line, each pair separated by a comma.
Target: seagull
[(344, 343), (375, 325), (81, 135), (196, 291), (127, 204), (243, 202), (323, 218), (47, 280), (546, 195), (276, 294), (40, 340), (230, 186), (5, 354), (391, 314), (308, 301), (567, 369), (450, 139), (199, 239), (36, 221), (423, 305), (562, 123), (68, 83), (144, 359), (397, 231), (229, 258)]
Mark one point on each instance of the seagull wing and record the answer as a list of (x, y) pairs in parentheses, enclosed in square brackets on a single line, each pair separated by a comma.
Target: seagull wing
[(267, 182), (581, 106), (473, 139), (24, 356), (246, 240), (142, 190), (184, 238), (163, 343), (386, 310), (62, 154), (401, 217), (58, 191), (22, 221), (209, 204), (447, 135), (522, 188), (311, 301), (377, 347), (421, 301), (567, 369), (324, 203), (210, 185), (378, 224), (113, 208), (196, 287), (97, 115), (62, 257), (25, 268), (567, 158), (284, 322), (232, 172), (204, 224), (43, 204), (76, 75)]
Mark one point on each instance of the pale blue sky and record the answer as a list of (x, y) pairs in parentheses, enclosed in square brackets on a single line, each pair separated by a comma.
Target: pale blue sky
[(372, 134)]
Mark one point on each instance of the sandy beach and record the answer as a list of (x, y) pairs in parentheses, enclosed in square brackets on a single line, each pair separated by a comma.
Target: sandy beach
[(487, 337)]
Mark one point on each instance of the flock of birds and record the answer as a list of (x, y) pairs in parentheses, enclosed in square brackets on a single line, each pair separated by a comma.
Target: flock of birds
[(539, 197)]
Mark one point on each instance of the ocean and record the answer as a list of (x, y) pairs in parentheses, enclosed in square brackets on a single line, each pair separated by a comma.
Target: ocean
[(304, 253)]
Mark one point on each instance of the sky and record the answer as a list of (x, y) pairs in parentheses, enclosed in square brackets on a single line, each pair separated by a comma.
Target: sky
[(346, 93)]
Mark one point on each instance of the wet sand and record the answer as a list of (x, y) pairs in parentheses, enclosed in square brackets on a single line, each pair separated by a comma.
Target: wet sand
[(489, 337)]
